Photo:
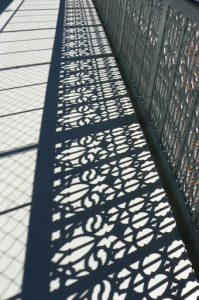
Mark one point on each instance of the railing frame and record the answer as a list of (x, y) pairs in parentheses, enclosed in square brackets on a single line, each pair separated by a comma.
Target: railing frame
[(186, 12)]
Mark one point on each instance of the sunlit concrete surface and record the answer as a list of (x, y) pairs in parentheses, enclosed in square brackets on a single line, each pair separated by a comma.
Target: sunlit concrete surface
[(26, 44), (101, 225)]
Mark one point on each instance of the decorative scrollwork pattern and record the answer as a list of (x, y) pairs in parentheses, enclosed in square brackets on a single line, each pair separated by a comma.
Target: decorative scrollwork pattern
[(159, 54), (113, 233)]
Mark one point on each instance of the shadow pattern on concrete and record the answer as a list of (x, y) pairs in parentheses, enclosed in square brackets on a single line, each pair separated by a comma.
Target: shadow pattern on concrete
[(101, 225)]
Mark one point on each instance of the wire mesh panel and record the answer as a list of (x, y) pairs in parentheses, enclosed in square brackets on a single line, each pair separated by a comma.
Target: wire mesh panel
[(150, 47), (113, 17), (133, 33), (187, 170), (126, 28), (169, 55), (120, 24), (159, 50), (184, 95), (175, 98), (105, 8), (142, 33)]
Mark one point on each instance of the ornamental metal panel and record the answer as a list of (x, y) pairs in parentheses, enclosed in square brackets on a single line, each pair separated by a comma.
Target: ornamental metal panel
[(158, 45)]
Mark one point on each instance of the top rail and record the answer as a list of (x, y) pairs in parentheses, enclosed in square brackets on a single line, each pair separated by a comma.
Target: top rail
[(157, 43)]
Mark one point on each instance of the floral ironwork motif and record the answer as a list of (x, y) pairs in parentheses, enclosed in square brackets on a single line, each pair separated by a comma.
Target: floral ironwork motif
[(113, 233), (160, 57)]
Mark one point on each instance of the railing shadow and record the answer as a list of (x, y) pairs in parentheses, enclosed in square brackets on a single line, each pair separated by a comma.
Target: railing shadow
[(101, 226), (4, 4)]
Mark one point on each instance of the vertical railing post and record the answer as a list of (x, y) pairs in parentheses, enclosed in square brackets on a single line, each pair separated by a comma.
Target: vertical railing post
[(128, 67), (124, 42), (145, 40), (122, 27), (107, 9), (186, 131), (115, 19), (156, 55), (172, 80)]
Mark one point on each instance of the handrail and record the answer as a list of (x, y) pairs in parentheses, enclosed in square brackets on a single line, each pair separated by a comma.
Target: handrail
[(157, 43)]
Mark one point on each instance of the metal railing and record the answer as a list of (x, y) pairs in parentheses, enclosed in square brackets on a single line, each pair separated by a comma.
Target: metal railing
[(157, 43)]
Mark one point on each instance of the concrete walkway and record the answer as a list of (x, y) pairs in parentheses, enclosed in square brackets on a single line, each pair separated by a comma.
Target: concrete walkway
[(100, 223)]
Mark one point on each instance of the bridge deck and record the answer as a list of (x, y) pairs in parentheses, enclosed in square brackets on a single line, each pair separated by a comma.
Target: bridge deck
[(84, 201)]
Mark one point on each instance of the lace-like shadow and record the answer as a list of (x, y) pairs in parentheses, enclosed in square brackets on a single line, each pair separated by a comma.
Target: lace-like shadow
[(101, 225)]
